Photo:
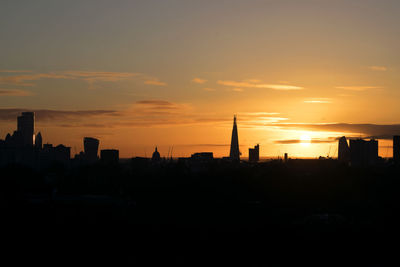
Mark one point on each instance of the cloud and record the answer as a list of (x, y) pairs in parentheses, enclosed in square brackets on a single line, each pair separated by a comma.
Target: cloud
[(14, 92), (247, 84), (378, 68), (143, 113), (22, 79), (378, 131), (312, 141), (237, 89), (156, 104), (11, 114), (155, 82), (358, 88), (199, 80), (209, 89), (90, 77), (318, 101)]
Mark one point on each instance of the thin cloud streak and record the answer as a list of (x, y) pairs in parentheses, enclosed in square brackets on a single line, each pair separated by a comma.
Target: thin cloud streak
[(14, 92), (378, 68), (199, 80), (312, 141), (318, 101), (358, 88), (246, 84), (378, 131), (10, 114), (90, 77), (155, 82)]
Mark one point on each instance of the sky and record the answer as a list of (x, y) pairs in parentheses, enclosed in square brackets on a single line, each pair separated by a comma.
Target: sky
[(168, 73)]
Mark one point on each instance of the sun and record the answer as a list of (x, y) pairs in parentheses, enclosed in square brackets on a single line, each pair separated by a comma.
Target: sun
[(305, 140)]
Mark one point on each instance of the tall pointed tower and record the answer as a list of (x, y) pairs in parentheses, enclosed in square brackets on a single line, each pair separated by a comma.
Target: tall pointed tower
[(234, 154)]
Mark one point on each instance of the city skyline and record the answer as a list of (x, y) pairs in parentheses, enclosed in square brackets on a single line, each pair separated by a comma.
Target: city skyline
[(171, 74), (25, 146)]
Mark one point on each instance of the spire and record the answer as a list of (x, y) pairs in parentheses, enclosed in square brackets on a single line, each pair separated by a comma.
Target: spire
[(234, 153), (38, 141)]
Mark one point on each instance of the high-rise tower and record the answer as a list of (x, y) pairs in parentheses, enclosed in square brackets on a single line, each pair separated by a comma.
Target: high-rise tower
[(91, 148), (344, 150), (26, 128), (234, 154), (38, 141)]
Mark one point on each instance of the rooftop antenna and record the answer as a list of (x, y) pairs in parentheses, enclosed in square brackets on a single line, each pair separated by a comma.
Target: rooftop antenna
[(171, 151)]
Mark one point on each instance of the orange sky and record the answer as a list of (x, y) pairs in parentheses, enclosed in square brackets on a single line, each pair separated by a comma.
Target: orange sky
[(173, 73)]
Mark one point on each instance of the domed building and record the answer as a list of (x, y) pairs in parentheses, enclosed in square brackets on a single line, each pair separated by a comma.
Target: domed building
[(156, 156)]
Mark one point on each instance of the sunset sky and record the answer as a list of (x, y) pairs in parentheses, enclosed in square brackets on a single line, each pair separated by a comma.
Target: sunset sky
[(137, 74)]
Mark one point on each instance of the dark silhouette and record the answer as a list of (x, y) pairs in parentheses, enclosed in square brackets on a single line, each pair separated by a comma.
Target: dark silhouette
[(156, 156), (265, 213), (91, 148), (38, 141), (234, 153), (23, 147), (343, 150), (202, 156), (254, 153), (26, 128), (363, 153), (109, 156)]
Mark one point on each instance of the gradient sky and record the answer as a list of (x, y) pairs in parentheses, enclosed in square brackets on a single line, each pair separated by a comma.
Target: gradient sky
[(137, 74)]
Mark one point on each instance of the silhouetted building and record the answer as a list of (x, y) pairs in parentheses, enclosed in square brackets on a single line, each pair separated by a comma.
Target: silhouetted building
[(396, 149), (91, 148), (286, 157), (109, 156), (38, 141), (202, 156), (343, 150), (26, 128), (58, 154), (62, 154), (363, 153), (156, 155), (234, 153), (254, 153)]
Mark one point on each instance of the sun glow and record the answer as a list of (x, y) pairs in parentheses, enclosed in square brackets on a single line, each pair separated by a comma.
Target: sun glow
[(305, 140)]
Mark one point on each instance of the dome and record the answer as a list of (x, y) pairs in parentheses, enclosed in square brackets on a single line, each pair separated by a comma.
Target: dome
[(156, 155)]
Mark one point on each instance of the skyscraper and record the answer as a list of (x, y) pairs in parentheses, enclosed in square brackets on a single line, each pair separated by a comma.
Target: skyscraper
[(234, 154), (344, 150), (396, 148), (26, 128), (38, 141), (91, 148)]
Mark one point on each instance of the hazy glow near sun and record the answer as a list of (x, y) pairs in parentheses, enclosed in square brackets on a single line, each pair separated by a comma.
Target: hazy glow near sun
[(305, 140)]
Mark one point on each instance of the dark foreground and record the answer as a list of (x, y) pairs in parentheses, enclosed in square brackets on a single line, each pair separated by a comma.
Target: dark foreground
[(272, 214)]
